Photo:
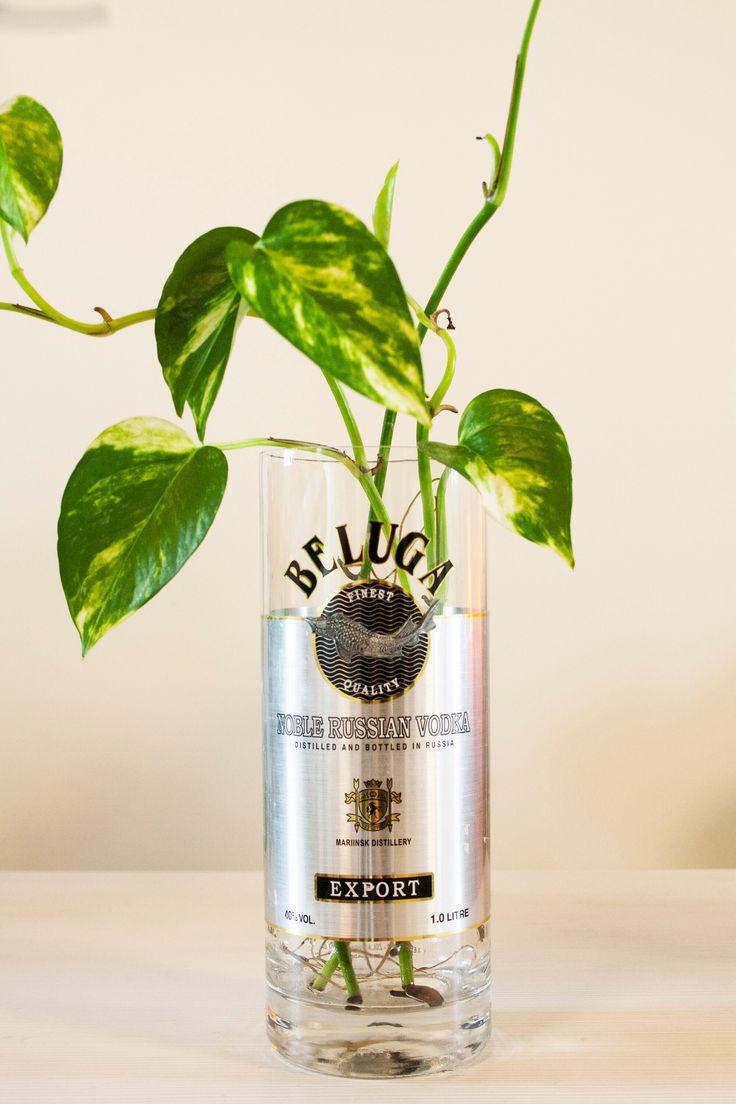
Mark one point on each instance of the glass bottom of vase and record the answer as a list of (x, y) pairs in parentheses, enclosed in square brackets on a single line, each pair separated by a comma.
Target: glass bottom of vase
[(371, 1044)]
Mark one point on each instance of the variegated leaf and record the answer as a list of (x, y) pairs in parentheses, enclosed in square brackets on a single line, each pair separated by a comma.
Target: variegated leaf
[(324, 282), (514, 452), (137, 505), (30, 163), (196, 319), (384, 207)]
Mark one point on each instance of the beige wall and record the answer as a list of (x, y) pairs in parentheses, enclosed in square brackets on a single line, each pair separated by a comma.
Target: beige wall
[(605, 287)]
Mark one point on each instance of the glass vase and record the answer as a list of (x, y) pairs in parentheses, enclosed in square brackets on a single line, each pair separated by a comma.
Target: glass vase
[(375, 715)]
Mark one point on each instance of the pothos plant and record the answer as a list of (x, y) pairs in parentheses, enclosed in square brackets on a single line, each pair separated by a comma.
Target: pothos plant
[(144, 494)]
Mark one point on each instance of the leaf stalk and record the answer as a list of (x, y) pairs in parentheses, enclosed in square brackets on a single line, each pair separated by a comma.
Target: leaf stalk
[(47, 313)]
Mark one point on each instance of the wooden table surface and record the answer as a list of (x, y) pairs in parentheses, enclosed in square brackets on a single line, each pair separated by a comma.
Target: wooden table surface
[(120, 988)]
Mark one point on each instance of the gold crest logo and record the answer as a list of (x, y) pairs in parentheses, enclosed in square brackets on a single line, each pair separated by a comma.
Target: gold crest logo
[(373, 805)]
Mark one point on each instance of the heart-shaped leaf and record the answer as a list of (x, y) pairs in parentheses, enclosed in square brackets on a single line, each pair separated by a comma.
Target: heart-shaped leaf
[(196, 321), (137, 505), (326, 284), (514, 452), (384, 207), (30, 163)]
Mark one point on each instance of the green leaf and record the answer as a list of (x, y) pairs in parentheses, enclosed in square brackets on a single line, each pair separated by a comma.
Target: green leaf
[(137, 505), (196, 319), (30, 163), (514, 452), (326, 284), (384, 207)]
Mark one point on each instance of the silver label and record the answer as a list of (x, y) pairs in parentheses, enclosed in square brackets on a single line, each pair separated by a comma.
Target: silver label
[(376, 769)]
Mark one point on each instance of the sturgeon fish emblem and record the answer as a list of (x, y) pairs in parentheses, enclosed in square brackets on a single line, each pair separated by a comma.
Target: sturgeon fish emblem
[(353, 639)]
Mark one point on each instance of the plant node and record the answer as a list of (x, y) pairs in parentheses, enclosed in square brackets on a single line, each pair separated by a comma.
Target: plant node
[(377, 467), (436, 315)]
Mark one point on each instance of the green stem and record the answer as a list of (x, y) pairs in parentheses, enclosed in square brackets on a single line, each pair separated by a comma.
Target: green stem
[(50, 314), (500, 184), (441, 507), (447, 376), (437, 553), (494, 198), (348, 418), (384, 448), (424, 468), (379, 478), (406, 964), (382, 218), (133, 319), (342, 950), (449, 373), (423, 462), (363, 476), (319, 982), (441, 500)]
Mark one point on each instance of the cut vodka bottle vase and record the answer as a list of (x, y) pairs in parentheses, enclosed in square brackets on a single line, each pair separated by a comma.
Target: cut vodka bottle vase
[(376, 769)]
